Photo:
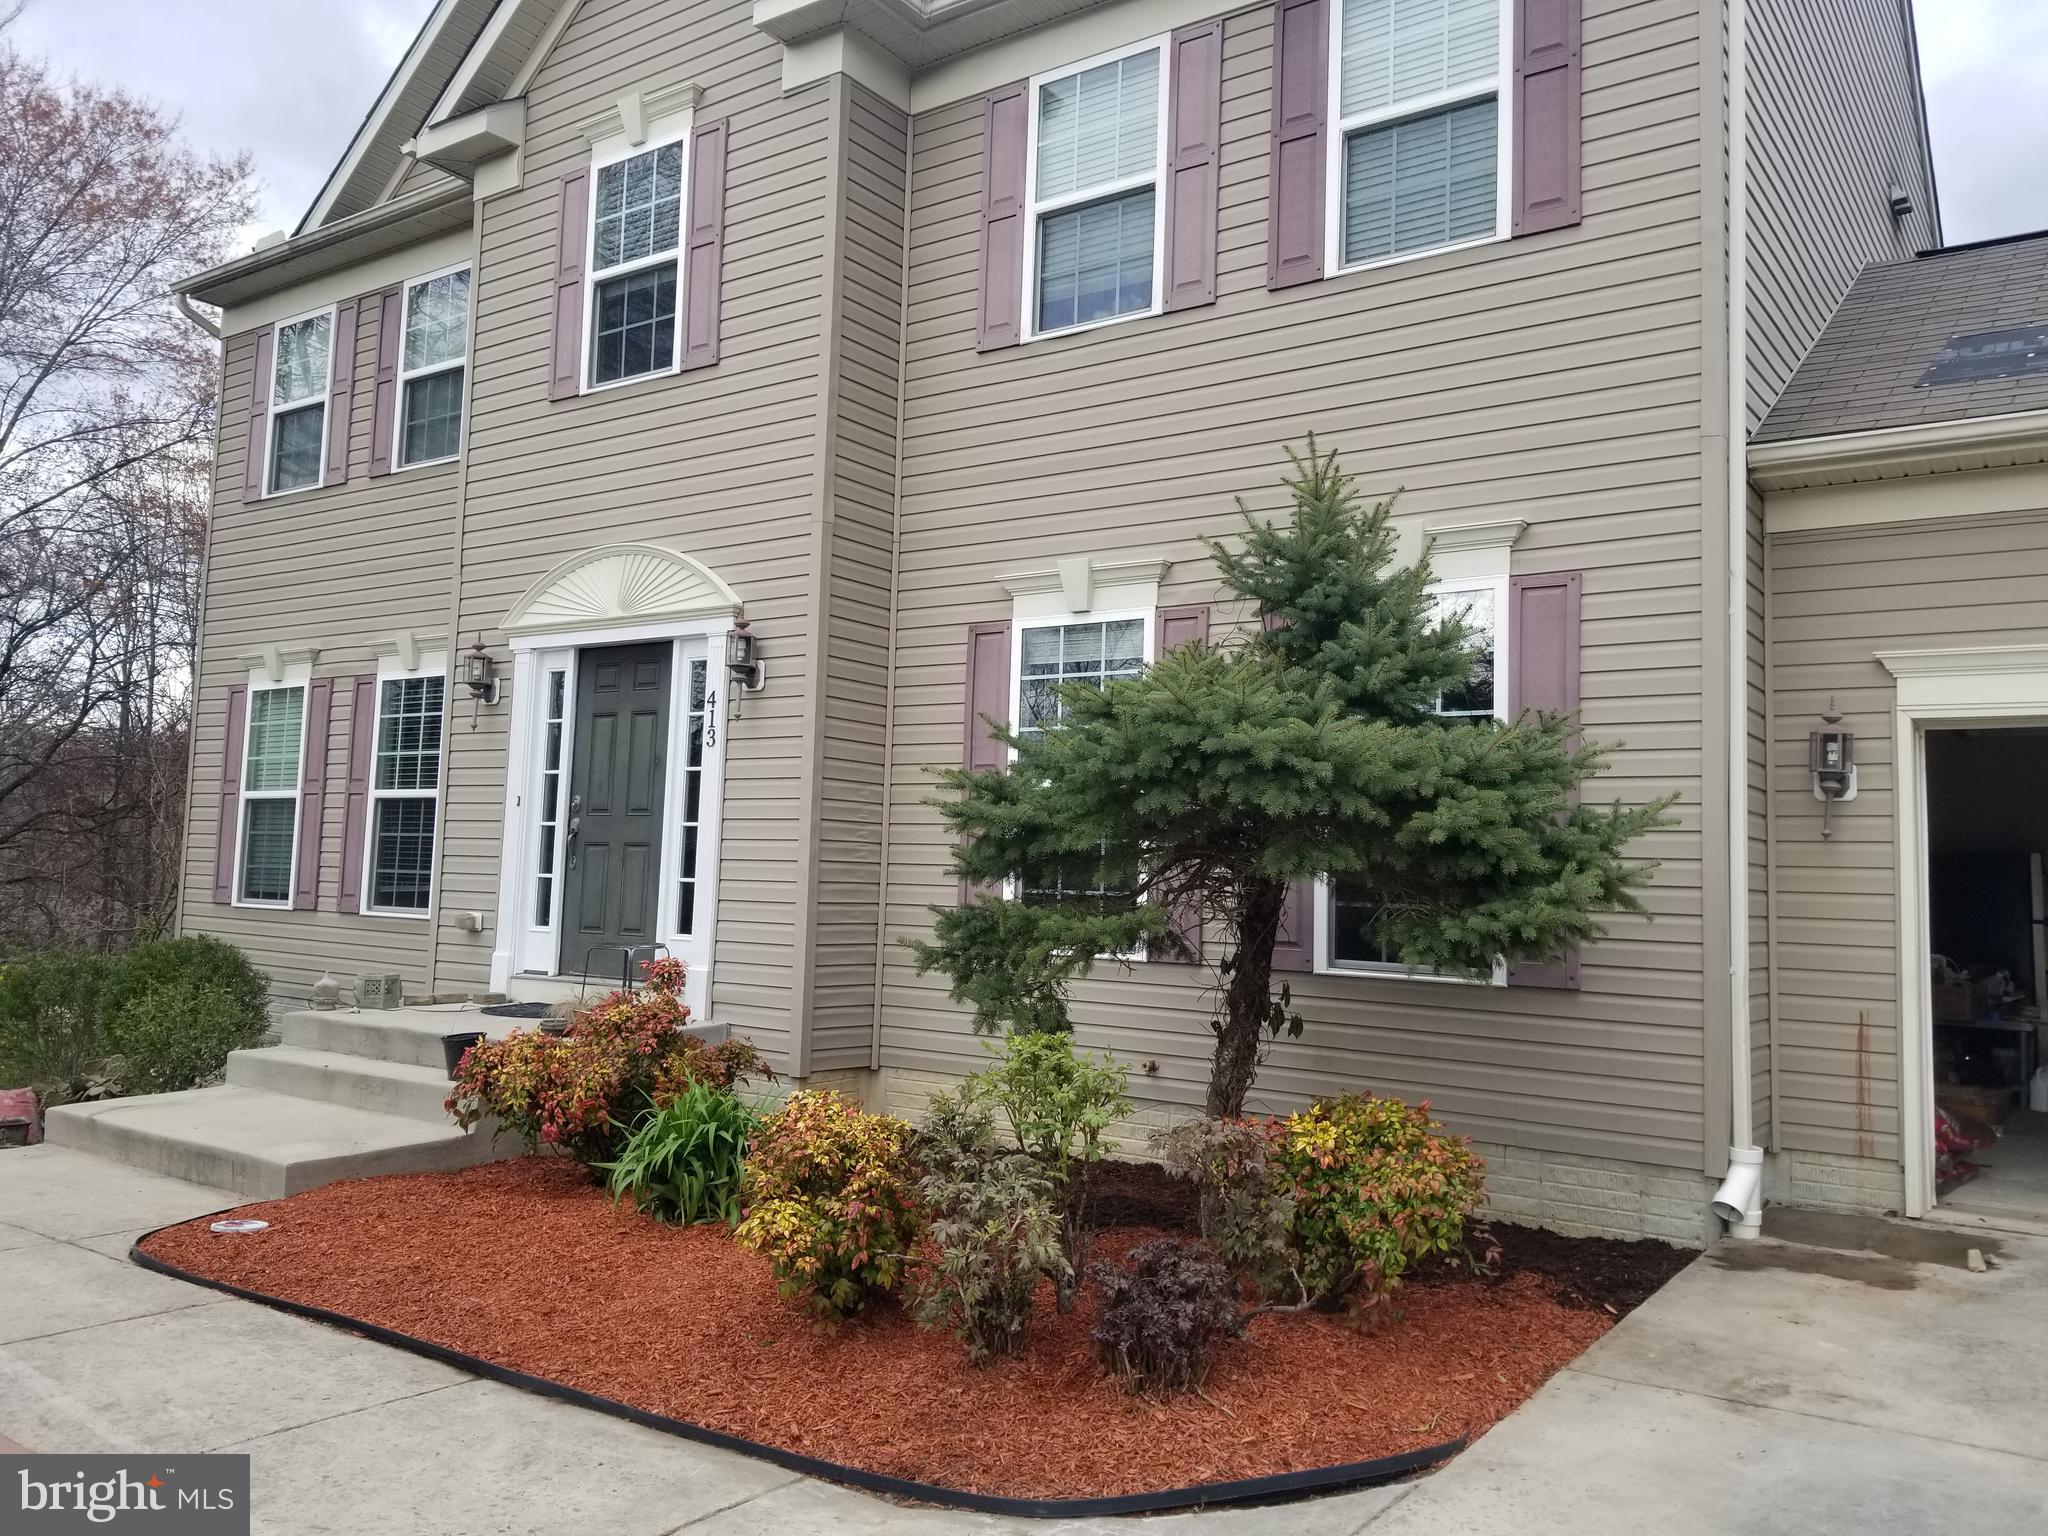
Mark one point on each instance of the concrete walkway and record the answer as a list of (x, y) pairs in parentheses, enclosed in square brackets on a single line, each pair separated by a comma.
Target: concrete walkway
[(1774, 1387)]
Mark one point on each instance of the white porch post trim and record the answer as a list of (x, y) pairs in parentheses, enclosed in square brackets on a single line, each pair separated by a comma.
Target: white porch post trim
[(2001, 684)]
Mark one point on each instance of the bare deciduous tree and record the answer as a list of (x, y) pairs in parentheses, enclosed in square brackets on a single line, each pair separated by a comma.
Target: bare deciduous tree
[(107, 404)]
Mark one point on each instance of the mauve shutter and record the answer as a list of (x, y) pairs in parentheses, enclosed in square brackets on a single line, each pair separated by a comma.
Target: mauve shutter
[(988, 698), (1178, 627), (384, 399), (1005, 136), (1294, 949), (312, 795), (704, 253), (1194, 132), (259, 419), (572, 215), (230, 794), (1301, 87), (356, 822), (1546, 115), (341, 375), (1543, 675)]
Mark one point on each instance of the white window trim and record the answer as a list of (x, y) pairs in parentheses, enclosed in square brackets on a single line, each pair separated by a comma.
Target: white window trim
[(272, 410), (1341, 128), (390, 669), (1034, 210), (1326, 963), (297, 675), (669, 130), (407, 377), (1012, 890)]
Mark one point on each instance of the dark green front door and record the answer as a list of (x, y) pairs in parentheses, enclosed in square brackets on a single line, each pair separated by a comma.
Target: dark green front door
[(611, 890)]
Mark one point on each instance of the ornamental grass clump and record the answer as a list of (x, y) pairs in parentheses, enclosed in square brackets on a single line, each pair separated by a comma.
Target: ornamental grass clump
[(685, 1157), (580, 1092), (1163, 1314), (994, 1233), (830, 1200)]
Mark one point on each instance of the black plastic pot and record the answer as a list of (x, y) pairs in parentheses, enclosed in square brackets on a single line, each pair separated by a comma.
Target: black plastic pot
[(454, 1046)]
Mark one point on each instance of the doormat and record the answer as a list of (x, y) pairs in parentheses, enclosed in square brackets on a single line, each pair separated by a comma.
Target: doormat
[(519, 1010)]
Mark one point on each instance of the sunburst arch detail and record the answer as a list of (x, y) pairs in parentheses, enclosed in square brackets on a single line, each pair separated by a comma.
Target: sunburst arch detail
[(621, 584)]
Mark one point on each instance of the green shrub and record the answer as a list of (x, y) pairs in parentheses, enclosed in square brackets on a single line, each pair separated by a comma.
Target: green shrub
[(1162, 1315), (178, 1035), (995, 1230), (684, 1159), (1059, 1104), (197, 960), (830, 1200), (51, 1035), (1376, 1185)]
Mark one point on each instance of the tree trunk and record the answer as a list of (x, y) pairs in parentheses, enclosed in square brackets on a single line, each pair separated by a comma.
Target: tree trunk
[(1248, 1001)]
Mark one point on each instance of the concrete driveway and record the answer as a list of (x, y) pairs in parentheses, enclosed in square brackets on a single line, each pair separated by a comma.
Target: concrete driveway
[(1806, 1386)]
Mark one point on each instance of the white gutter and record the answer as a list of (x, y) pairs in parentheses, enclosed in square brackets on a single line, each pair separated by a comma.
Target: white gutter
[(205, 322), (1739, 1200), (2015, 437)]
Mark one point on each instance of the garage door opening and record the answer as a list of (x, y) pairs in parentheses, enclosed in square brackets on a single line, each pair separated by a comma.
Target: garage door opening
[(1987, 926)]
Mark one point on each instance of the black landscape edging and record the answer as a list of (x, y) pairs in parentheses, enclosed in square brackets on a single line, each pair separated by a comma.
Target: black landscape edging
[(1282, 1485)]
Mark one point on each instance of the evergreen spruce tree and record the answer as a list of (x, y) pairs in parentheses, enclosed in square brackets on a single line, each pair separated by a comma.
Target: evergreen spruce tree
[(1310, 747)]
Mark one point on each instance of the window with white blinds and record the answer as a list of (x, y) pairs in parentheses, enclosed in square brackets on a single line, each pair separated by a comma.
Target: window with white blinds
[(1417, 162), (1097, 147), (274, 742)]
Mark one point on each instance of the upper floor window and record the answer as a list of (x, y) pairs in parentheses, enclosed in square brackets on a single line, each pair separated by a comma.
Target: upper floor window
[(433, 361), (298, 401), (1098, 142), (1418, 161), (1352, 911), (270, 796), (635, 273)]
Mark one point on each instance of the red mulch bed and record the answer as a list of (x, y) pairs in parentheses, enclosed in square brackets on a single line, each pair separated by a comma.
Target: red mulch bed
[(528, 1265)]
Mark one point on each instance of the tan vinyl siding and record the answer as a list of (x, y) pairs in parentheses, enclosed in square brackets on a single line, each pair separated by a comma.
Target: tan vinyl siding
[(1834, 125), (1837, 600), (717, 463), (1555, 379), (340, 568), (859, 543)]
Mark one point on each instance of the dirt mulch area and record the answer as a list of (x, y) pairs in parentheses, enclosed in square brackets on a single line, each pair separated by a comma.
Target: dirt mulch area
[(527, 1265)]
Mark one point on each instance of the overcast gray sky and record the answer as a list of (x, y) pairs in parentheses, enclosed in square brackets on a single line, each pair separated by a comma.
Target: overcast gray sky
[(290, 79)]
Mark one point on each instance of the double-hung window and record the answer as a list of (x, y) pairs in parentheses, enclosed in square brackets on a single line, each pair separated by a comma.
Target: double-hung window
[(273, 746), (1352, 912), (1091, 652), (635, 272), (1098, 145), (1418, 161), (433, 361), (405, 785), (298, 401)]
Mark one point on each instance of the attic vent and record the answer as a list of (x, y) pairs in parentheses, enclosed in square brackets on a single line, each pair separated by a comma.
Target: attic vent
[(1982, 355)]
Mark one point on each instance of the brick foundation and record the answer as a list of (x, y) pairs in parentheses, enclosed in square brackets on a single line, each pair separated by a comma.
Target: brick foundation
[(1827, 1181)]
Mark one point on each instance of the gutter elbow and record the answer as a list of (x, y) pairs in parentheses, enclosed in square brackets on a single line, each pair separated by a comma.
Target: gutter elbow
[(204, 322)]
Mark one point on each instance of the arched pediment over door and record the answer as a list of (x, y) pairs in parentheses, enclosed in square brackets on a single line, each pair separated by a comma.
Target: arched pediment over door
[(618, 585)]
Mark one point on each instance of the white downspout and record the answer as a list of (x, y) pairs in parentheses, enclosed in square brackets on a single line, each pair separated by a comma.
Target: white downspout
[(1739, 1200), (205, 322)]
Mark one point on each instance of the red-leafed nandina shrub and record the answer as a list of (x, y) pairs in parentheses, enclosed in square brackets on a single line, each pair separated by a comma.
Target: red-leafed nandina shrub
[(581, 1091), (830, 1201), (1376, 1185)]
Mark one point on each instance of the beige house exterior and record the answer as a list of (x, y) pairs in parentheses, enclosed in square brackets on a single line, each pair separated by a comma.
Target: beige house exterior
[(641, 316)]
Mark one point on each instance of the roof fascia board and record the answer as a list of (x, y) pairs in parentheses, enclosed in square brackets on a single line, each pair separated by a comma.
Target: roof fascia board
[(338, 238), (1923, 448), (374, 121)]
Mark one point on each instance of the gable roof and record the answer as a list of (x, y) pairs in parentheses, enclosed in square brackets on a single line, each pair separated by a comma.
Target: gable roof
[(1870, 368)]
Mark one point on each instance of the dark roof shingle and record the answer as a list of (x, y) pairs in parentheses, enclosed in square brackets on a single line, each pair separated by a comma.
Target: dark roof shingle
[(1865, 371)]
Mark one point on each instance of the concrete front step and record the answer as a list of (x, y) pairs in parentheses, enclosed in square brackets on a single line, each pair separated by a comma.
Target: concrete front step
[(409, 1036), (355, 1082), (264, 1145)]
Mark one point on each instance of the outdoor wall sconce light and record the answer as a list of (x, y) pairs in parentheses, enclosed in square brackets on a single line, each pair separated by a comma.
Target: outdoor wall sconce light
[(1832, 760), (742, 661), (479, 676)]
